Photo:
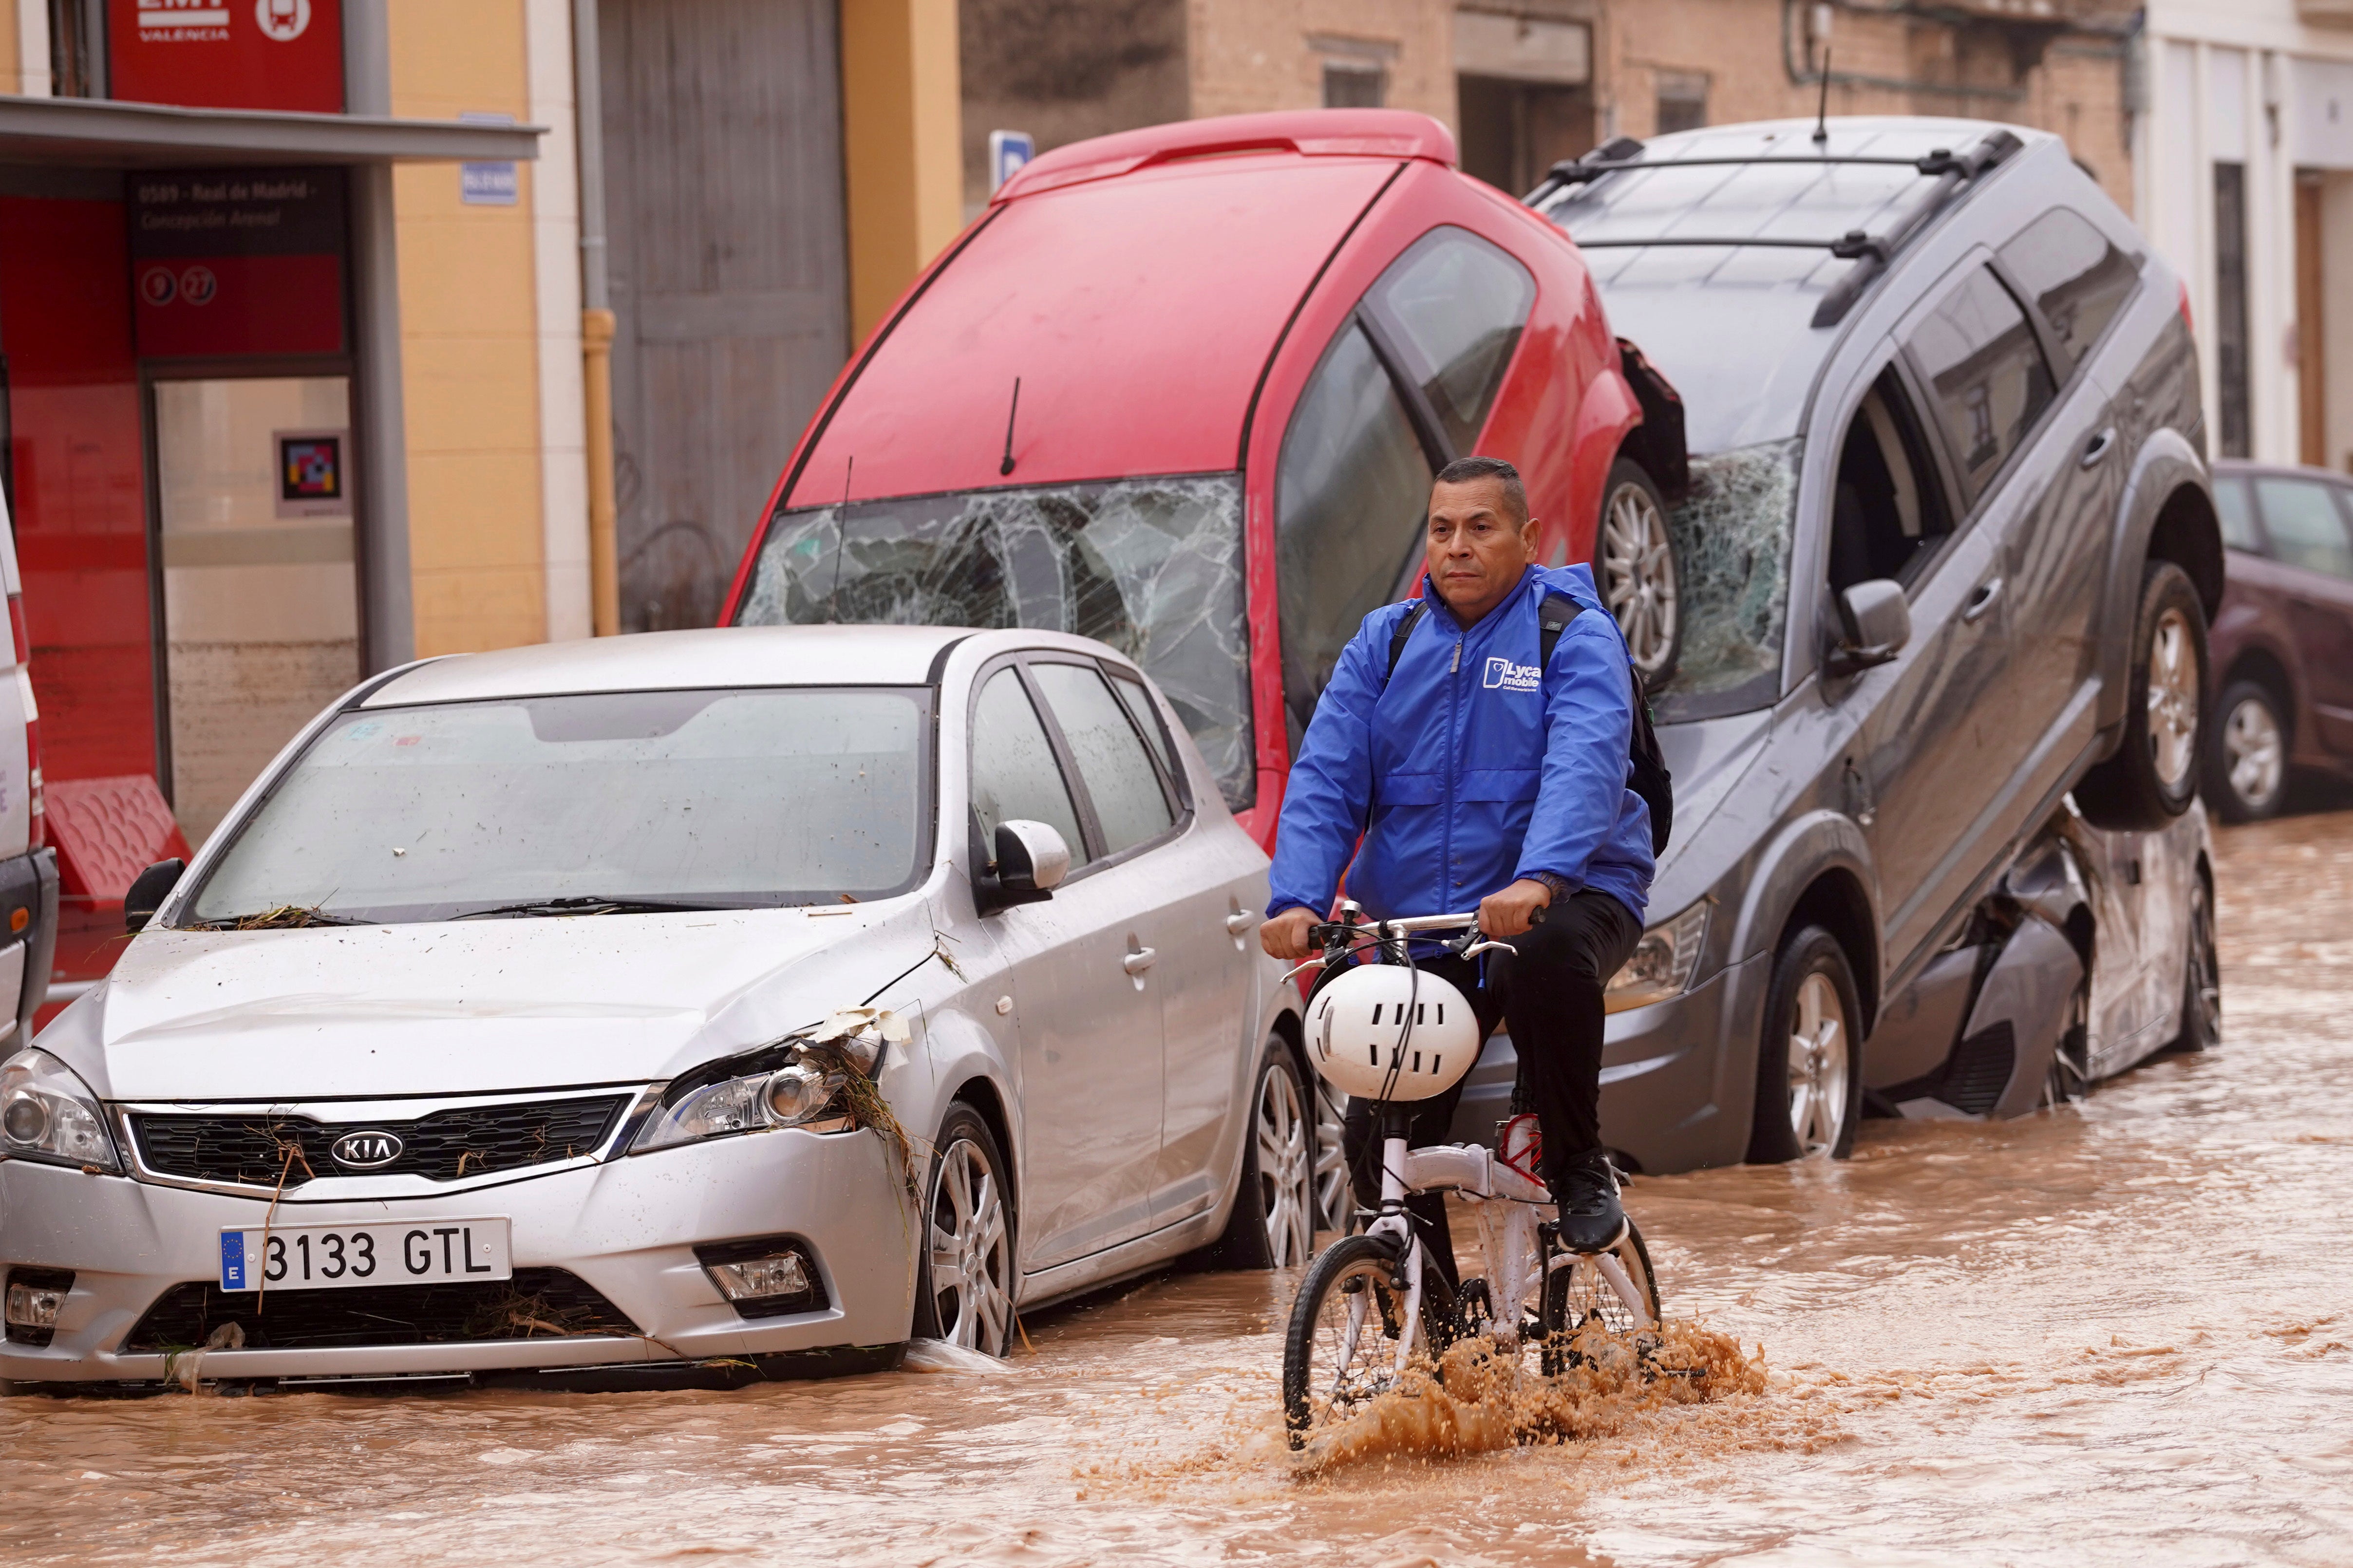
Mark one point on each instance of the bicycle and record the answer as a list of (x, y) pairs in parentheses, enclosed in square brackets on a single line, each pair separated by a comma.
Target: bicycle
[(1372, 1301)]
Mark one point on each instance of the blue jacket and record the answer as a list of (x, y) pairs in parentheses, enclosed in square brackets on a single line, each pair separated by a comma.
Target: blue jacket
[(1470, 767)]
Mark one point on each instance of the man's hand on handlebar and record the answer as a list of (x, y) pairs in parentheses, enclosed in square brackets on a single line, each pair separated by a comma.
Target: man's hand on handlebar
[(1513, 911), (1286, 935)]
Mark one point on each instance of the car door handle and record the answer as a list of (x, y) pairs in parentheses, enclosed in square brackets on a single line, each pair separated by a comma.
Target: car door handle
[(1239, 922), (1142, 959), (1982, 601), (2097, 447)]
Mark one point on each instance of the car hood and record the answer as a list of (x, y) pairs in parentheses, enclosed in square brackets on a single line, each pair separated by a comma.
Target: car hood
[(479, 1006), (1716, 824)]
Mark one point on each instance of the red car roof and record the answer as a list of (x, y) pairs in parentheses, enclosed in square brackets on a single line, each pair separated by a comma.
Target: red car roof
[(1137, 311)]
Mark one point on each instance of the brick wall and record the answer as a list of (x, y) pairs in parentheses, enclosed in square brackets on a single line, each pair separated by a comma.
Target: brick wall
[(1251, 55)]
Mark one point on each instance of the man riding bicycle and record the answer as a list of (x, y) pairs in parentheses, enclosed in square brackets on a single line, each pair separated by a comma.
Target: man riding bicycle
[(1461, 766)]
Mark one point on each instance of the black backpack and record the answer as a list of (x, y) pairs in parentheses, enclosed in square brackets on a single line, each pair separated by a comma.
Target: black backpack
[(1650, 779)]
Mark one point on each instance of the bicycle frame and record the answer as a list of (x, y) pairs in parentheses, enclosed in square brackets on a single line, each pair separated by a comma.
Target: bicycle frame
[(1473, 1172)]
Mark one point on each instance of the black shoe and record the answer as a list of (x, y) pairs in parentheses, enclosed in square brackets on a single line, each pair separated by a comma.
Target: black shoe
[(1590, 1217)]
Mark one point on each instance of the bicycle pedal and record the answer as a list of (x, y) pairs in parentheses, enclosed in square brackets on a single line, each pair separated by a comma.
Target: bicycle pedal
[(1555, 1252)]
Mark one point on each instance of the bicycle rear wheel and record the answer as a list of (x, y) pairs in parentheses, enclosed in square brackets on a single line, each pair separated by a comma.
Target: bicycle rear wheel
[(1340, 1352), (1578, 1297)]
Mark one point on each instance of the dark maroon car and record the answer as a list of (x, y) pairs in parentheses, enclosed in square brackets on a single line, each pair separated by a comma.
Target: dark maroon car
[(2281, 649)]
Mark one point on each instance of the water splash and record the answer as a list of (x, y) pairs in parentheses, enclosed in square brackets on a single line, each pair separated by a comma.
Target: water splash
[(1478, 1399)]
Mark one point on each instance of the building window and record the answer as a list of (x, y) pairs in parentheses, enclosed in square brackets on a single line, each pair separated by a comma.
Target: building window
[(2230, 307), (77, 48), (1682, 102), (1355, 84), (1524, 87)]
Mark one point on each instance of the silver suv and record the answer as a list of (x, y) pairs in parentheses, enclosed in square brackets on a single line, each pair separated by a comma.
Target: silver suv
[(1944, 555)]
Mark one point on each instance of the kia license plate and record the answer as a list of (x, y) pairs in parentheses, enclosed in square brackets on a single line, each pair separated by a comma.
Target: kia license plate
[(344, 1256)]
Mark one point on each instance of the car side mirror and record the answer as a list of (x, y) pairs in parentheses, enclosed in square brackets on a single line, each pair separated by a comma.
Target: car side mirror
[(1875, 622), (148, 892), (1030, 858), (1030, 862)]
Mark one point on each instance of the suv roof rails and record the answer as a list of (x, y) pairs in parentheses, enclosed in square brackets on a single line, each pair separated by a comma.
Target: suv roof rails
[(1951, 171)]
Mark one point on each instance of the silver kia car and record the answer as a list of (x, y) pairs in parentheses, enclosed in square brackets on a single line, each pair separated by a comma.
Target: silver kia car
[(695, 1006)]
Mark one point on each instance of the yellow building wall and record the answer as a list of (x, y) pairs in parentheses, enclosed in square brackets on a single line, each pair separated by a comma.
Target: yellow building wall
[(469, 343), (903, 156)]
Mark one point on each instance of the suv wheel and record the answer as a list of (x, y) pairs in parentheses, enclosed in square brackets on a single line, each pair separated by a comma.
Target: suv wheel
[(1809, 1063), (2153, 777), (1634, 566), (2246, 765)]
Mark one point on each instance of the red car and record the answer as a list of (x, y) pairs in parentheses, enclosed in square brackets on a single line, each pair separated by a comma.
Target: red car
[(2281, 650), (1183, 389)]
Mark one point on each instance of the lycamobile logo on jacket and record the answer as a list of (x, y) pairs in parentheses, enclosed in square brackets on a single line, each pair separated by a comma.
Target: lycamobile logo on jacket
[(1512, 677)]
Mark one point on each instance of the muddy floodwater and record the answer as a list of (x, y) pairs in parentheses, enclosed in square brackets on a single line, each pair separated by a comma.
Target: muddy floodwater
[(2119, 1333)]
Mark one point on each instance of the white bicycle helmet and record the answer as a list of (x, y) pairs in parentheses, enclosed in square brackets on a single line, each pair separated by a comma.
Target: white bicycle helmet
[(1385, 1031)]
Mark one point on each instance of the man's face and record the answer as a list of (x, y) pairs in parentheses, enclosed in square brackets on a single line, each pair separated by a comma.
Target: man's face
[(1477, 552)]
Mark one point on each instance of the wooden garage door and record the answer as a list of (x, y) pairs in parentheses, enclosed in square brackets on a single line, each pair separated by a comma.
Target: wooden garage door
[(723, 148)]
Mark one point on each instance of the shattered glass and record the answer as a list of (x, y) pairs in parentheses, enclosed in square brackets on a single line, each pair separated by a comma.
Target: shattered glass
[(1152, 566), (1731, 535)]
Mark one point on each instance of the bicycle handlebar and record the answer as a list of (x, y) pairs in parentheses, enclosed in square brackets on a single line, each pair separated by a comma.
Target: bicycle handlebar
[(1336, 938)]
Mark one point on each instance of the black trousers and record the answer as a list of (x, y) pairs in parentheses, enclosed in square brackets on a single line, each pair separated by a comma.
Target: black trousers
[(1549, 989)]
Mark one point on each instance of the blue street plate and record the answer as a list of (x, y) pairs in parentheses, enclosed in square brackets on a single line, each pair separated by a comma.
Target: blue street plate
[(346, 1257)]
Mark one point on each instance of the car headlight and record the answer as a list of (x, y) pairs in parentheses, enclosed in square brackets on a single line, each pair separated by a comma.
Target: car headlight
[(47, 1113), (1663, 963), (794, 1095)]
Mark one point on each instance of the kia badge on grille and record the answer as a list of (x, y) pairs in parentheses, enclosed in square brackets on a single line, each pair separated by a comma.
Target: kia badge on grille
[(366, 1151)]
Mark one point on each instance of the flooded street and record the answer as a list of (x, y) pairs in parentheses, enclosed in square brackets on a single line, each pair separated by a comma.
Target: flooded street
[(2121, 1333)]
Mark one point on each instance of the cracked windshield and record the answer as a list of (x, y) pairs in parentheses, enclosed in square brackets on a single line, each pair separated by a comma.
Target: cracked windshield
[(1489, 782), (1153, 567)]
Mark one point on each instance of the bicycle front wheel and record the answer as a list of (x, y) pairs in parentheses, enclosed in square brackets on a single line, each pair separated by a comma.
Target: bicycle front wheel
[(1578, 1298), (1340, 1353)]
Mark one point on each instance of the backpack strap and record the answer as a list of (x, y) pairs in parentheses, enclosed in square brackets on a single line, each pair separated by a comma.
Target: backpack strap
[(1559, 610), (1552, 619), (1405, 623)]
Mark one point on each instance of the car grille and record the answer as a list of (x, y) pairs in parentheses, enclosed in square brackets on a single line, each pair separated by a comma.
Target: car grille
[(537, 1303), (1980, 1069), (252, 1149)]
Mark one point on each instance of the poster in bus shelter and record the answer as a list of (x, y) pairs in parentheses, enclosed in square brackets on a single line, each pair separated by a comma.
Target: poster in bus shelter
[(228, 54), (236, 261)]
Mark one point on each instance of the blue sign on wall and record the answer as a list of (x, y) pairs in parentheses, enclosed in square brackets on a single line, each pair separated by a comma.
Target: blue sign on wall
[(1007, 150), (488, 185)]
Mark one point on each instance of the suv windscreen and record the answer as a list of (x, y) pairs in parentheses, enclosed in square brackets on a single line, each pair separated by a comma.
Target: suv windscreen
[(705, 799), (1732, 534), (1151, 566)]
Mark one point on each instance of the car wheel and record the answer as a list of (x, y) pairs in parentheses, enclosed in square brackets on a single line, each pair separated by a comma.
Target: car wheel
[(2153, 777), (965, 1292), (1634, 566), (1809, 1063), (2246, 763), (2201, 979), (1335, 1203), (1273, 1222)]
